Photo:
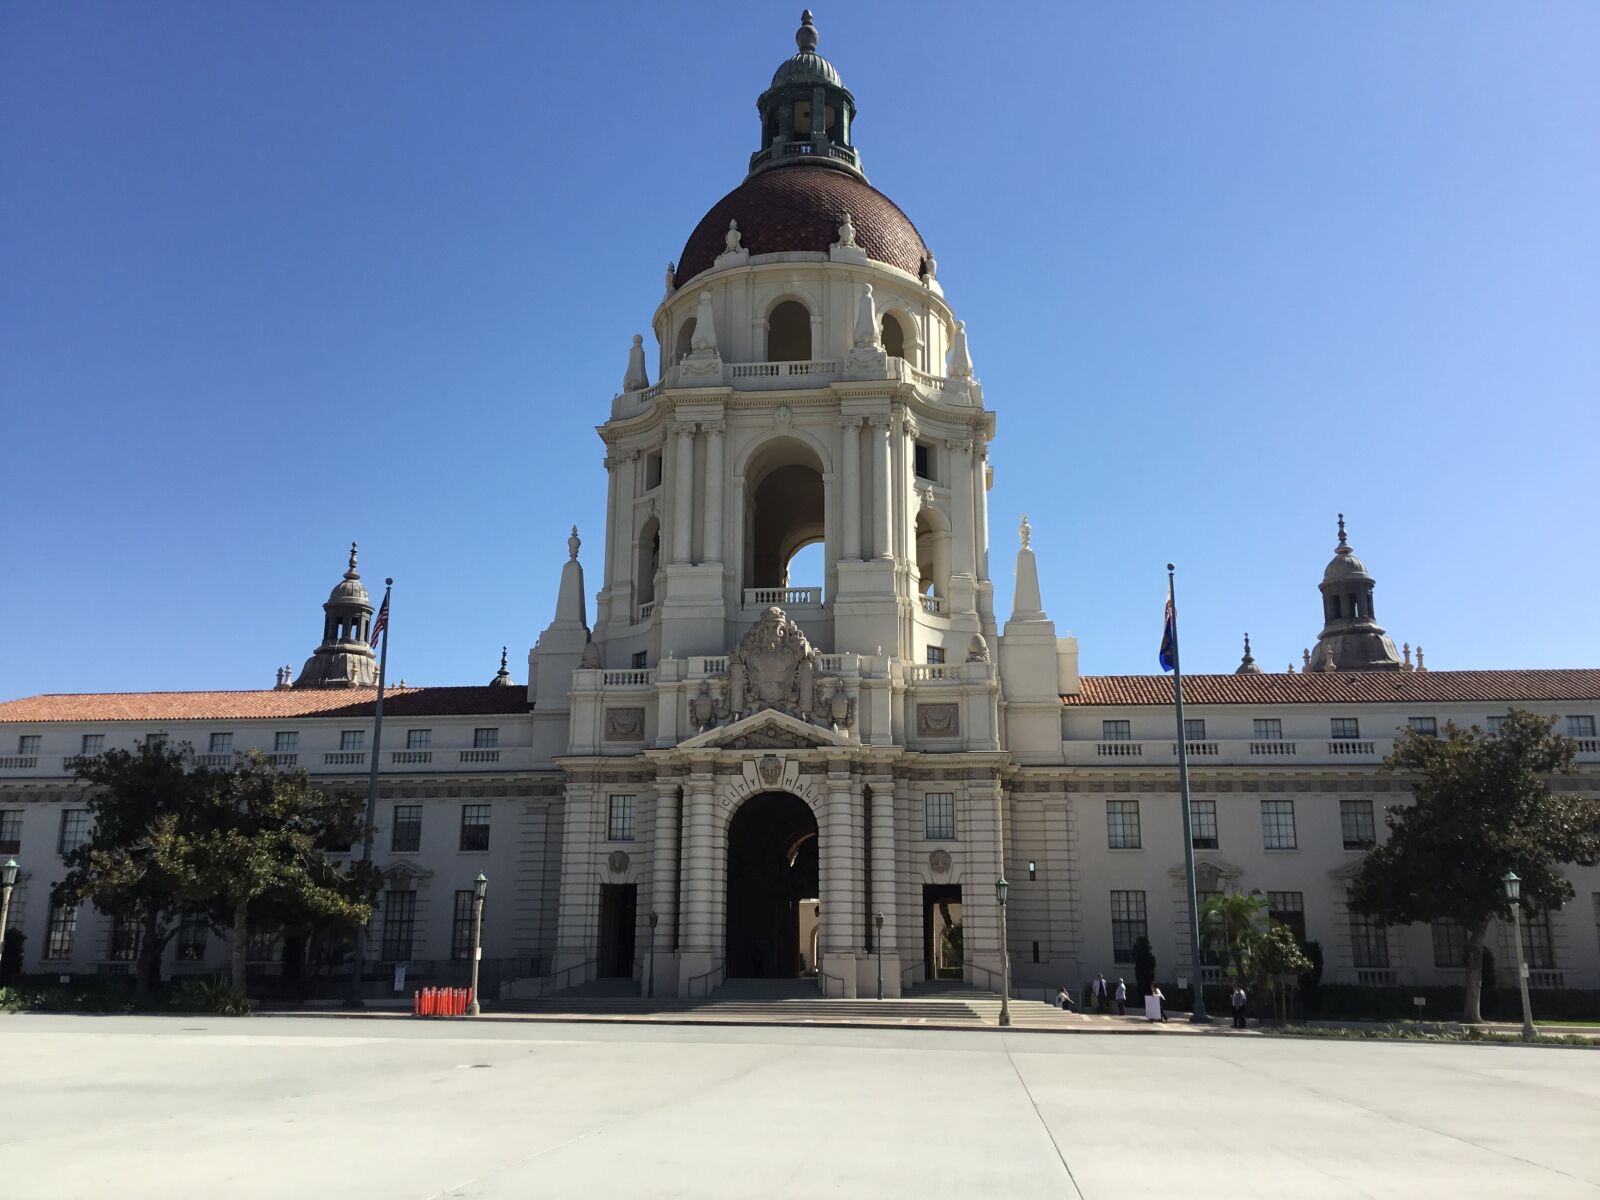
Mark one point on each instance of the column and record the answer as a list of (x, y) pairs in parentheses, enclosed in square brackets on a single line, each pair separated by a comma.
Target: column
[(980, 471), (683, 493), (611, 464), (697, 865), (962, 557), (838, 882), (850, 500), (883, 489), (664, 869), (577, 922), (712, 551), (883, 866)]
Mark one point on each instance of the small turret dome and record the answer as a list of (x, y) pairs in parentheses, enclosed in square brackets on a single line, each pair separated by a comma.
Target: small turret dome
[(1351, 638)]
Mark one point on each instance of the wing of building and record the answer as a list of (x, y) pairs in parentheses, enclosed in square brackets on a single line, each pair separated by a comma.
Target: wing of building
[(733, 772)]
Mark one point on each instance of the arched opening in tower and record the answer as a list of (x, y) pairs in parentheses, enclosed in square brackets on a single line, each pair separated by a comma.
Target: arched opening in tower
[(644, 578), (894, 337), (789, 333), (685, 342), (784, 511), (933, 553)]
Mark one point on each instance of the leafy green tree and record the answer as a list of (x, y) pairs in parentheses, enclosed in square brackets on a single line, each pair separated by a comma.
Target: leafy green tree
[(1482, 806), (1275, 954), (1230, 924)]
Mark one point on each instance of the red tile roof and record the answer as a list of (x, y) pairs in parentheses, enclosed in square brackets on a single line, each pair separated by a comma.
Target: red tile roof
[(1350, 687), (274, 705)]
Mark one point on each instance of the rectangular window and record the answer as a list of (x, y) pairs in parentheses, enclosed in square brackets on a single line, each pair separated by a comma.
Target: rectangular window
[(1494, 724), (1203, 824), (923, 460), (399, 925), (351, 740), (1194, 729), (10, 831), (1449, 944), (1426, 726), (1345, 729), (461, 925), (191, 941), (92, 743), (485, 739), (419, 739), (1128, 924), (221, 743), (1116, 731), (74, 830), (619, 819), (1537, 943), (939, 816), (935, 655), (1277, 825), (474, 826), (1122, 824), (1268, 729), (1580, 727), (641, 659), (1356, 820), (63, 925), (28, 743), (652, 470), (1289, 908), (1369, 942), (285, 742), (155, 739), (406, 834), (126, 936)]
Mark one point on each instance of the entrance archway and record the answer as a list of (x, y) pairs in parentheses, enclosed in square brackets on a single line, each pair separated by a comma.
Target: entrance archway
[(772, 875)]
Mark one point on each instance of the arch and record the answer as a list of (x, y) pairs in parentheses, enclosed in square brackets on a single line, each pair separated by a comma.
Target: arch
[(784, 510), (649, 561), (789, 332), (910, 330), (893, 335), (773, 869), (685, 342), (933, 552)]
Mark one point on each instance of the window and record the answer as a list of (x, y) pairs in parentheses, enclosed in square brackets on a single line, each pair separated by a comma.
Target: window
[(155, 740), (1369, 942), (474, 826), (10, 831), (1536, 941), (1128, 924), (1355, 818), (1345, 729), (1494, 724), (221, 743), (894, 345), (1209, 955), (924, 460), (641, 659), (74, 830), (285, 742), (1194, 729), (63, 924), (1203, 824), (652, 470), (351, 740), (1116, 731), (939, 816), (399, 925), (191, 941), (1268, 729), (1289, 908), (1277, 825), (1580, 727), (1122, 824), (619, 819), (1033, 871), (264, 942), (406, 835), (485, 739), (789, 333), (419, 739), (92, 743), (461, 925), (28, 743), (935, 655), (1426, 726), (1449, 944), (126, 937)]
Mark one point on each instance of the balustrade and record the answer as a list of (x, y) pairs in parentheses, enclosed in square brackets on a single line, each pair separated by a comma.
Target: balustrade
[(917, 672), (344, 758), (1272, 749), (794, 597), (626, 678), (478, 756), (1346, 747), (411, 756), (933, 605), (1120, 749), (644, 612), (19, 762)]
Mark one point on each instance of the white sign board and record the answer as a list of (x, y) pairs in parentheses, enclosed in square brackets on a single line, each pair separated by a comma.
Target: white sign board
[(1152, 1007), (399, 977)]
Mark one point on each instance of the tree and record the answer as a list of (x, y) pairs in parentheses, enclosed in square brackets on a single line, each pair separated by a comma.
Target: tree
[(1230, 924), (138, 865), (1482, 806), (1276, 954)]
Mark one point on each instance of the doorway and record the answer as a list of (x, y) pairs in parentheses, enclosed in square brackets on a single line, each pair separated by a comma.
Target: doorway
[(619, 903), (943, 948), (772, 888)]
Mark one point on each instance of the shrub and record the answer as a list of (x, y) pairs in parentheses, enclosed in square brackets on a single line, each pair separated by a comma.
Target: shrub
[(217, 996)]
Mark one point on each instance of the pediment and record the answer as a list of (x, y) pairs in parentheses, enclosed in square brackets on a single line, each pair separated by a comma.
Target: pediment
[(1210, 869), (768, 730), (402, 875)]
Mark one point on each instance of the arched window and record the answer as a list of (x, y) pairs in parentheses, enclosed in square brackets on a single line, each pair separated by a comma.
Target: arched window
[(644, 578), (894, 337), (789, 333), (933, 554), (685, 341)]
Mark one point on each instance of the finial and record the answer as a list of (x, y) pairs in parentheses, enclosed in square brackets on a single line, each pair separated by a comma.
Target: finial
[(1406, 650), (1344, 546), (730, 240), (1420, 667), (1026, 531), (1291, 668), (806, 36), (352, 556), (573, 543), (847, 232), (1305, 658), (502, 658), (1247, 645), (672, 277)]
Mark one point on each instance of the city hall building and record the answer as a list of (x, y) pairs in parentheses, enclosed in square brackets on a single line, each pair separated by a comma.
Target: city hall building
[(725, 772)]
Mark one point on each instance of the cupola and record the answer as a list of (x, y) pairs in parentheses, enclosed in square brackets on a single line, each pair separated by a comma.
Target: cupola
[(345, 658), (1351, 638), (807, 112)]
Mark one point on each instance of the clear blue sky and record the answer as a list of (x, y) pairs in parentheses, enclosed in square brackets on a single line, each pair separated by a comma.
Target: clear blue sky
[(274, 276)]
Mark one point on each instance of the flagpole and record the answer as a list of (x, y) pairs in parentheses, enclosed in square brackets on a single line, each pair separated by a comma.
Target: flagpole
[(372, 791), (1198, 1009)]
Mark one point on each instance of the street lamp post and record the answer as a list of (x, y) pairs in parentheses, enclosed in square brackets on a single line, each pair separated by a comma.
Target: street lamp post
[(878, 945), (480, 885), (1000, 886), (8, 880), (650, 981), (1514, 894)]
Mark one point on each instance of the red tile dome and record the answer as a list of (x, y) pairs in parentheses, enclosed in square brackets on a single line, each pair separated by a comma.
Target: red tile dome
[(801, 208)]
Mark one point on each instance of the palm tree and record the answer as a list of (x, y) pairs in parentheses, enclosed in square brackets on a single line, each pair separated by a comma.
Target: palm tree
[(1230, 924)]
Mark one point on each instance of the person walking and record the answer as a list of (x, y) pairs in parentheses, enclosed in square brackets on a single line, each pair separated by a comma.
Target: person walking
[(1161, 1001), (1100, 1004), (1064, 998), (1122, 998), (1240, 999)]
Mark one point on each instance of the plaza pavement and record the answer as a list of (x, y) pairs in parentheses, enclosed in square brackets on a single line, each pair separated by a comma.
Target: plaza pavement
[(179, 1107)]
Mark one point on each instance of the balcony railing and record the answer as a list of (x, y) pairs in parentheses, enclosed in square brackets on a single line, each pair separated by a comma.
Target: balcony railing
[(1547, 979), (1588, 745), (766, 375), (785, 597), (644, 612), (800, 149), (1198, 749), (221, 759), (284, 758), (411, 756), (1272, 749), (72, 762), (639, 678), (344, 758), (917, 672), (1375, 976), (19, 762), (1346, 746), (1120, 749), (478, 756), (933, 605)]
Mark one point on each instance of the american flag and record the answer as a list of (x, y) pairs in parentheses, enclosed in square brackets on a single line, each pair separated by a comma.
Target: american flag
[(380, 624)]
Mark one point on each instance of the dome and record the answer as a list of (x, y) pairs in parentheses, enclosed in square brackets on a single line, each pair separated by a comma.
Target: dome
[(1345, 565), (350, 590), (801, 207), (806, 68)]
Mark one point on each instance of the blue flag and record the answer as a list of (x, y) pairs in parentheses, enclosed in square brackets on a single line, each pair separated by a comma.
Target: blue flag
[(1169, 635)]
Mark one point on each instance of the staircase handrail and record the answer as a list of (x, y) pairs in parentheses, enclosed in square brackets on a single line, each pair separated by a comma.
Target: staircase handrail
[(823, 987), (719, 967)]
